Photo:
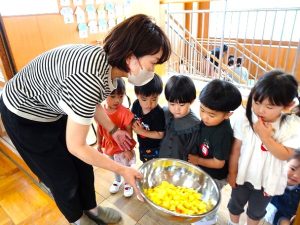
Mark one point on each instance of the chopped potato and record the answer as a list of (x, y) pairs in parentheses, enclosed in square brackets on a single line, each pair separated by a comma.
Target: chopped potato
[(178, 199)]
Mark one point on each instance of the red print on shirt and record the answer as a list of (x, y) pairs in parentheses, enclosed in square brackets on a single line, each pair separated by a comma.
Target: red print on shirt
[(204, 148), (263, 148)]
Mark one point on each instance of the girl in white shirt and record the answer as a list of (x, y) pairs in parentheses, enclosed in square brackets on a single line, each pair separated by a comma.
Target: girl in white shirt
[(265, 138)]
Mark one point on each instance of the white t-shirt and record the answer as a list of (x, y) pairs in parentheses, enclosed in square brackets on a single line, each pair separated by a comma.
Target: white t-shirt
[(242, 72), (259, 167)]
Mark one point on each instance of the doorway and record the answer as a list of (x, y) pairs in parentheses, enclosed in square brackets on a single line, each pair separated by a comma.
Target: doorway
[(7, 68)]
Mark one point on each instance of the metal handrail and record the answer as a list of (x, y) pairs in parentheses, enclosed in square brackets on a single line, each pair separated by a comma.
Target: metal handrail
[(265, 64), (224, 67)]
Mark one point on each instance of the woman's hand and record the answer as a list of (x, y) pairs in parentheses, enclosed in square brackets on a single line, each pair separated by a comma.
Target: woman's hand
[(130, 175), (123, 139)]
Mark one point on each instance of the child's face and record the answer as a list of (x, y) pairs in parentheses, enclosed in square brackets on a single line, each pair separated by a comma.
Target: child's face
[(293, 172), (147, 103), (179, 110), (212, 117), (267, 111), (114, 100)]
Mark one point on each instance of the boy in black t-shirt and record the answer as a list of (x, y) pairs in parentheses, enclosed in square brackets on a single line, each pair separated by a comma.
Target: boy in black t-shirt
[(149, 124), (217, 101)]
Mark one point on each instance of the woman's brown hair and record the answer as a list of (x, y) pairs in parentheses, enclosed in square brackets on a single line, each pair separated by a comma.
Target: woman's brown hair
[(137, 35)]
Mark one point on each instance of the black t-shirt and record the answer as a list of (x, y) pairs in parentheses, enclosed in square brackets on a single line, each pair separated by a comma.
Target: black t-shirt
[(215, 142), (153, 121)]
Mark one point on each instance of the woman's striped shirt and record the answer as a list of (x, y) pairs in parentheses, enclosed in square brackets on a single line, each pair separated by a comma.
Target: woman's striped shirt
[(70, 79)]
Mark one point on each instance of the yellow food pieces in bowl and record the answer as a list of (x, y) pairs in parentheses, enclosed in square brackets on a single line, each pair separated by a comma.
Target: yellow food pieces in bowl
[(179, 199)]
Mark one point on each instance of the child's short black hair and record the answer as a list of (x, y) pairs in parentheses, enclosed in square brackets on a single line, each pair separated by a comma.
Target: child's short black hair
[(225, 48), (180, 88), (154, 87), (295, 156), (239, 61), (230, 62), (221, 96), (277, 86), (120, 90)]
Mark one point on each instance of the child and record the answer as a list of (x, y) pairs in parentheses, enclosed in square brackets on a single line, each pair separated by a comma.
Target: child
[(240, 70), (182, 126), (230, 61), (213, 64), (121, 117), (218, 100), (283, 208), (149, 118), (264, 139)]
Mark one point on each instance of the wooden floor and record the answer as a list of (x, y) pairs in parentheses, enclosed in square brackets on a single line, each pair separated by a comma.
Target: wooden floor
[(23, 202)]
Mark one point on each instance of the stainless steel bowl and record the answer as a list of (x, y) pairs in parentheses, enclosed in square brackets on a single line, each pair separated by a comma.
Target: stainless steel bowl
[(179, 173)]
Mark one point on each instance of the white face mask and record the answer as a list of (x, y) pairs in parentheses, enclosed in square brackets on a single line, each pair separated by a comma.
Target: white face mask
[(137, 75)]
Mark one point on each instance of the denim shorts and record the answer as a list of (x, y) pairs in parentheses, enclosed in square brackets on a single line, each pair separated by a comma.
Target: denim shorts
[(148, 154)]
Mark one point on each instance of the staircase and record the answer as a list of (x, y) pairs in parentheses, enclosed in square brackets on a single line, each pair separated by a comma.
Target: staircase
[(194, 33)]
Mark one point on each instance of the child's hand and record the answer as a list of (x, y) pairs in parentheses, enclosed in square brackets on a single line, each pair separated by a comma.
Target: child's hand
[(263, 129), (231, 178), (99, 149), (138, 128), (193, 159), (128, 154)]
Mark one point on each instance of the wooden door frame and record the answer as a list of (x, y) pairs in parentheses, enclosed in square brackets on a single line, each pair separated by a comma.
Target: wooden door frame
[(5, 53)]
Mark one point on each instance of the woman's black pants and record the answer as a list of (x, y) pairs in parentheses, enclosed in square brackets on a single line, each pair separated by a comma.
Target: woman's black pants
[(42, 145)]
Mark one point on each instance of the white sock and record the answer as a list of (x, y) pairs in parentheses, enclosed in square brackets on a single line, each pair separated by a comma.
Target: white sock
[(94, 211), (77, 222)]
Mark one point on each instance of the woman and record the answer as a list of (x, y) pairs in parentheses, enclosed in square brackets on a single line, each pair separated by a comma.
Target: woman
[(48, 106)]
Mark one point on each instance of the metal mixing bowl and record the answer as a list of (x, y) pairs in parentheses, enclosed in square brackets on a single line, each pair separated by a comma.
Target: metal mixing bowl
[(179, 173)]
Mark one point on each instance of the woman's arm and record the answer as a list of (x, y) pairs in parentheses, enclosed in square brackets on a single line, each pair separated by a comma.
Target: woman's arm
[(233, 162), (121, 137), (76, 143), (102, 118)]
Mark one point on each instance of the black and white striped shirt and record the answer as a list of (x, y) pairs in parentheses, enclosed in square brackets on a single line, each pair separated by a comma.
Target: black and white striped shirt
[(70, 80)]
